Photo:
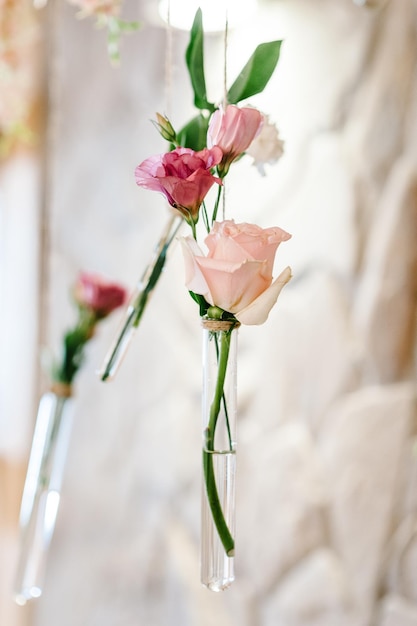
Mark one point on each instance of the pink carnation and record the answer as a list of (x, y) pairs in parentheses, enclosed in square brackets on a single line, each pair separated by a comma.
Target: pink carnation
[(101, 297), (183, 176)]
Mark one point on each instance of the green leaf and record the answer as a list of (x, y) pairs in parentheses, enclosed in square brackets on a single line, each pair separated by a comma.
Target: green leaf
[(194, 57), (72, 354), (255, 75), (194, 134), (201, 301)]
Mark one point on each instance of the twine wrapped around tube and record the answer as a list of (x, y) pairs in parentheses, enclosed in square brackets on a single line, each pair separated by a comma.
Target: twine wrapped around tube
[(219, 325), (63, 390)]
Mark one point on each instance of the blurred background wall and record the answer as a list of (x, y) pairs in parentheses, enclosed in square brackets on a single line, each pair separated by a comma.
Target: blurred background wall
[(327, 466)]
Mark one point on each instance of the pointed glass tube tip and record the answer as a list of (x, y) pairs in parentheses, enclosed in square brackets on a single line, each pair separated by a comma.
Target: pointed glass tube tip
[(41, 494)]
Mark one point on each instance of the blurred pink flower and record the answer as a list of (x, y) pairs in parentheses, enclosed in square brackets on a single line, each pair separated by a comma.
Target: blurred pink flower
[(236, 274), (97, 7), (233, 129), (100, 296), (183, 176), (20, 72)]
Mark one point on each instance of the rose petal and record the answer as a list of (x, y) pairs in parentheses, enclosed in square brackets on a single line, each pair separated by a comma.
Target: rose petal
[(233, 286), (194, 279), (257, 312), (226, 248)]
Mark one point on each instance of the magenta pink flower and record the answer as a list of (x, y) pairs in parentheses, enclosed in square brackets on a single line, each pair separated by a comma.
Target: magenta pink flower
[(94, 293), (183, 176), (233, 129)]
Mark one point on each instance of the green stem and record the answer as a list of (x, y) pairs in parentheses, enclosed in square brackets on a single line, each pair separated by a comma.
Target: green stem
[(226, 414), (148, 282), (44, 474), (209, 475), (142, 298), (73, 347), (156, 270), (203, 212), (216, 205), (215, 506), (124, 333), (219, 389)]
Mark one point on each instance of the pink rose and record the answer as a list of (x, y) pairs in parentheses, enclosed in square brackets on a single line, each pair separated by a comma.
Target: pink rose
[(236, 274), (233, 130), (183, 176), (101, 297)]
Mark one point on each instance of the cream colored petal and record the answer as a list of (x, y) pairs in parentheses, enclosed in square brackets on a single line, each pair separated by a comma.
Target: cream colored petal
[(194, 279), (257, 312)]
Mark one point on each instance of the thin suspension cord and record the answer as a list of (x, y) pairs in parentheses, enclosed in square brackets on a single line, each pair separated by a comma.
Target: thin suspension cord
[(225, 45), (226, 42), (168, 63), (51, 86)]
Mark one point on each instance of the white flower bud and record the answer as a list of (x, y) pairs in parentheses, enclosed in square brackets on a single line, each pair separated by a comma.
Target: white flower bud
[(267, 147)]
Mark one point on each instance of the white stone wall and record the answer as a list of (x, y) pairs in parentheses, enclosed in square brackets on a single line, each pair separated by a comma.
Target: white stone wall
[(327, 472)]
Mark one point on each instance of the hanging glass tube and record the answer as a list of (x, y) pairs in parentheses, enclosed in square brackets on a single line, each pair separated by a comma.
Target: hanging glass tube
[(219, 453), (139, 300), (42, 491)]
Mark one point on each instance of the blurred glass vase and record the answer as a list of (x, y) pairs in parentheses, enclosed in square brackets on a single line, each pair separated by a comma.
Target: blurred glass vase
[(42, 490)]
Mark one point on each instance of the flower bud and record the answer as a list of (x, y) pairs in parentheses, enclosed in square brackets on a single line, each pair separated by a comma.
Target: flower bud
[(165, 128), (233, 129)]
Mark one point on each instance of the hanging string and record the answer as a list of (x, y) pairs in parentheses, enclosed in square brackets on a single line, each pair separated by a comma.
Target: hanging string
[(52, 60), (168, 62), (226, 42)]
